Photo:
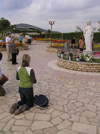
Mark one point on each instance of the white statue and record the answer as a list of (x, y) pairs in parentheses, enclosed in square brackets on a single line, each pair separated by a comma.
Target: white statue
[(88, 35)]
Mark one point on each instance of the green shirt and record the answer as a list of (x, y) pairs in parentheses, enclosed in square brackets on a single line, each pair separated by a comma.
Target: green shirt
[(25, 78)]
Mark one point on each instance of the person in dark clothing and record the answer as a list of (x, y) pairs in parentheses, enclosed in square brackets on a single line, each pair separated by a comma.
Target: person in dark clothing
[(13, 51), (3, 79), (73, 42), (26, 75)]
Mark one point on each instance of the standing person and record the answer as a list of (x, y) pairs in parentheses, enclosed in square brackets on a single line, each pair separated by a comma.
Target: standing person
[(3, 79), (81, 43), (73, 42), (26, 75), (21, 38), (8, 41), (13, 51), (1, 40)]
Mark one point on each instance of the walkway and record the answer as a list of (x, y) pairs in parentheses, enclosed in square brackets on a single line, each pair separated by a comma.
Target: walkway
[(74, 98)]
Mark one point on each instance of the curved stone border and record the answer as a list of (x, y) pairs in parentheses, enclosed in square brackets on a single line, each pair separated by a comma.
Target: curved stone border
[(79, 66), (53, 65), (51, 49)]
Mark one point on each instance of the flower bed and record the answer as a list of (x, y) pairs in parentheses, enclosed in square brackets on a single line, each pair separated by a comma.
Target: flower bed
[(43, 39), (57, 45), (96, 47), (77, 55), (17, 44), (20, 45), (61, 41)]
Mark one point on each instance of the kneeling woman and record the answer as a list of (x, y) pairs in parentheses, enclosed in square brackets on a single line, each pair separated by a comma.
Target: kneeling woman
[(26, 75), (13, 51)]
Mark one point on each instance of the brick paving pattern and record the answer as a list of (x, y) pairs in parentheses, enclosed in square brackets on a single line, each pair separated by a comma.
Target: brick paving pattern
[(74, 98)]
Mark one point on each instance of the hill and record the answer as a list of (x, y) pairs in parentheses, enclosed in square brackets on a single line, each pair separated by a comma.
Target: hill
[(23, 26)]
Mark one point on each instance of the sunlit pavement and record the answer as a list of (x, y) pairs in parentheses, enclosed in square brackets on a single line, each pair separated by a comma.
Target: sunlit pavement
[(74, 97)]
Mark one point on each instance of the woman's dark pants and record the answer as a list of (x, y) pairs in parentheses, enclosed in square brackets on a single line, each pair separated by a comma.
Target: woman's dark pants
[(26, 95), (14, 58)]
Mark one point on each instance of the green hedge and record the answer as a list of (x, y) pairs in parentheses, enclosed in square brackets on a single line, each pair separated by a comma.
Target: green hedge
[(96, 37), (67, 36), (54, 35), (38, 36)]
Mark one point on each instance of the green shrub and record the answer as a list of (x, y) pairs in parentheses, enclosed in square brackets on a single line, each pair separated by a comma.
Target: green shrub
[(67, 36)]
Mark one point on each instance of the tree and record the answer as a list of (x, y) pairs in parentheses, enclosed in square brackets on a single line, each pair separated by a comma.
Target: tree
[(13, 26), (4, 24), (39, 31), (79, 29), (49, 31)]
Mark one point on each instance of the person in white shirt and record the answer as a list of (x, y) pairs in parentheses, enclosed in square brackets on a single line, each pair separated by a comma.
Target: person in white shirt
[(8, 41)]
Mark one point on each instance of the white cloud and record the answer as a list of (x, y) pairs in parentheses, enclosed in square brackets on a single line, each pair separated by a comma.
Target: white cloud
[(68, 14), (16, 4)]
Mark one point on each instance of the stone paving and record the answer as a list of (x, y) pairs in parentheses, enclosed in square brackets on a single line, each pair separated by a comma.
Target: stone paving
[(74, 98)]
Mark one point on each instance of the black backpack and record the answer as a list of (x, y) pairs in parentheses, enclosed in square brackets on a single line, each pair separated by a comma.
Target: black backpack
[(41, 101)]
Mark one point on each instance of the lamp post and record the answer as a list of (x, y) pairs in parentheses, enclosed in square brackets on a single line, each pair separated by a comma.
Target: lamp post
[(51, 22)]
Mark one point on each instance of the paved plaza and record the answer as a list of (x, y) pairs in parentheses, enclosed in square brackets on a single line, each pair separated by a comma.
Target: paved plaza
[(74, 97)]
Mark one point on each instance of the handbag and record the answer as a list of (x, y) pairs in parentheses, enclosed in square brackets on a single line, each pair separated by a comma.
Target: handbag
[(17, 51), (41, 101)]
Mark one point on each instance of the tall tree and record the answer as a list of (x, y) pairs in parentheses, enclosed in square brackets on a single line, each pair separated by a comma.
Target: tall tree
[(4, 24)]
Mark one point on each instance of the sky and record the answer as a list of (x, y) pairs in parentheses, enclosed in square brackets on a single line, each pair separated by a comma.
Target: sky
[(67, 13)]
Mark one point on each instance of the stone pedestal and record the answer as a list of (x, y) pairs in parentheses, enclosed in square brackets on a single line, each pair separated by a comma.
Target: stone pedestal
[(66, 46), (88, 52)]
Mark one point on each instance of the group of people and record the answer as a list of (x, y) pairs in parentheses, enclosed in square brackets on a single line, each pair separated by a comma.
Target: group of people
[(80, 43), (88, 34), (24, 73)]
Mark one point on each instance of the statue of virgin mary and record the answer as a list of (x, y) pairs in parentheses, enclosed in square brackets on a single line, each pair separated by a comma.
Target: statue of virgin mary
[(88, 35)]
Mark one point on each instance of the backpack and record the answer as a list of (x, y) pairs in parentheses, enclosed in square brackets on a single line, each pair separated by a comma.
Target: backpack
[(40, 101)]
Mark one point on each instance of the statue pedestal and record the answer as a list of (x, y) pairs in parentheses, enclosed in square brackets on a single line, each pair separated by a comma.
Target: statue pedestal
[(88, 52)]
